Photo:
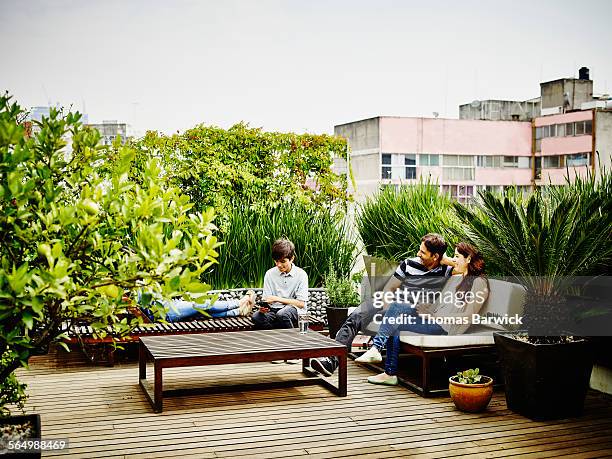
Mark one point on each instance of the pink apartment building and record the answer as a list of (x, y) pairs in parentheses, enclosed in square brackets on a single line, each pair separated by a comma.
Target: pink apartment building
[(462, 156)]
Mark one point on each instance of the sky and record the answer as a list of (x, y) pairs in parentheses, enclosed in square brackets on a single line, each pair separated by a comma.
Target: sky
[(293, 65)]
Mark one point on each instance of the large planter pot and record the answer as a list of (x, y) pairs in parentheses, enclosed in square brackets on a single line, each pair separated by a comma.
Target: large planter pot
[(545, 381), (11, 422), (335, 319), (471, 397)]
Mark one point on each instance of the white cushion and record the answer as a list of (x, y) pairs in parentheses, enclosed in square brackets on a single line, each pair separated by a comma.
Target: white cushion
[(505, 298), (467, 339)]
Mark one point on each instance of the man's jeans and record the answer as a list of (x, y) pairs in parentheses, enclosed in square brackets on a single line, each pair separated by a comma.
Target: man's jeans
[(286, 317), (388, 334), (391, 328)]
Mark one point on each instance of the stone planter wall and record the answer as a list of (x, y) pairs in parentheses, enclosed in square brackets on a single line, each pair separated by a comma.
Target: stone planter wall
[(317, 299)]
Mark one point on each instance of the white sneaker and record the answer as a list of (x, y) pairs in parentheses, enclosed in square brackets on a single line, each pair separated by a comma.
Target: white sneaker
[(372, 356), (384, 379)]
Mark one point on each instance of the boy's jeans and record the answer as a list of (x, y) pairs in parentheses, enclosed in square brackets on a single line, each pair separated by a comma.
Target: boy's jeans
[(185, 310)]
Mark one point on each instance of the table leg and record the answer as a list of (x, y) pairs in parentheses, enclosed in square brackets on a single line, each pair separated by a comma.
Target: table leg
[(158, 389), (142, 361), (306, 366), (342, 380)]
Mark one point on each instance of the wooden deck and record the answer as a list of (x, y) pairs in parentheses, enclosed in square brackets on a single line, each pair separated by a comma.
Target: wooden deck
[(103, 413)]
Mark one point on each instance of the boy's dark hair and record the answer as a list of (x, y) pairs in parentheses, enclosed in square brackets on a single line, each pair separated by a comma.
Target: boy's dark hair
[(283, 248), (435, 243)]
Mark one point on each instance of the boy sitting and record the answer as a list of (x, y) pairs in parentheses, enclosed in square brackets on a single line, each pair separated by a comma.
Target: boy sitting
[(285, 290)]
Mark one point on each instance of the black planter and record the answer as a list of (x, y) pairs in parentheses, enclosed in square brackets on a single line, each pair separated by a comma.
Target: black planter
[(545, 381), (335, 319), (35, 420)]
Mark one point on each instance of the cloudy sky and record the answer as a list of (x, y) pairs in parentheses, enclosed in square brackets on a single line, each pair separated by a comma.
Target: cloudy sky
[(294, 65)]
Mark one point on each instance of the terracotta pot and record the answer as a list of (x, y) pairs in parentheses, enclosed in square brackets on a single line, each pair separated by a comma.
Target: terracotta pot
[(471, 397)]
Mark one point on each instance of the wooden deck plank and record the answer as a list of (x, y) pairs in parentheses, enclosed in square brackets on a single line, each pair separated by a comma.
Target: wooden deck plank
[(104, 414)]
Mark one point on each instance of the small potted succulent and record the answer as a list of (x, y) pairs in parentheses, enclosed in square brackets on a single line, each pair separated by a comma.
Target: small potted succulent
[(470, 390), (342, 294)]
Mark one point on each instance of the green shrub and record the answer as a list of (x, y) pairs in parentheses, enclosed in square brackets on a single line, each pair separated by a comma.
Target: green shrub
[(393, 221), (12, 392), (544, 238), (226, 168), (77, 232), (341, 291), (318, 234)]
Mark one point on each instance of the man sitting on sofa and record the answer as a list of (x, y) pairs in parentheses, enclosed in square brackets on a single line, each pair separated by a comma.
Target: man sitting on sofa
[(424, 273)]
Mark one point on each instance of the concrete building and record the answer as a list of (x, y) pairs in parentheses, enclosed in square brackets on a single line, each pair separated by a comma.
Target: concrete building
[(500, 110), (566, 94), (495, 144), (110, 129), (574, 142), (462, 156)]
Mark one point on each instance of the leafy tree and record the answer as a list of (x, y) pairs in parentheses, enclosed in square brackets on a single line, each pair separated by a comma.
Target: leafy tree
[(228, 168), (77, 232)]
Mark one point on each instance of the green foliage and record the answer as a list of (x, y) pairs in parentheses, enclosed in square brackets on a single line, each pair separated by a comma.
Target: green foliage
[(319, 234), (393, 221), (12, 392), (77, 232), (543, 239), (469, 376), (562, 231), (341, 291), (226, 168)]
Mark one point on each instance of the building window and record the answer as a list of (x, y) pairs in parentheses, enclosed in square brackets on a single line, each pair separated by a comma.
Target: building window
[(569, 128), (577, 159), (552, 162), (429, 160), (545, 131), (488, 161), (588, 127), (410, 163), (458, 167), (579, 130), (510, 161), (561, 130), (398, 166), (552, 130), (462, 193), (491, 188), (524, 162), (538, 133)]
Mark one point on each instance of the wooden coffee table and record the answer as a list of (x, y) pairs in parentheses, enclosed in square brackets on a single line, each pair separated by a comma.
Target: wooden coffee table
[(236, 347)]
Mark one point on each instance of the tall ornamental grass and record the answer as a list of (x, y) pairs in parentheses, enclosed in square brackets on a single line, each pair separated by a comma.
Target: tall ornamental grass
[(393, 221), (321, 237)]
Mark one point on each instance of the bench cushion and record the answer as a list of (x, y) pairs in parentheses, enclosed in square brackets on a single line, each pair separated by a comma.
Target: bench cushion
[(479, 336)]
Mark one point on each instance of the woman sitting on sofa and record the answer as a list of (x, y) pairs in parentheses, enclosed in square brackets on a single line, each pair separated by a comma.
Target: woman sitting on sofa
[(463, 295)]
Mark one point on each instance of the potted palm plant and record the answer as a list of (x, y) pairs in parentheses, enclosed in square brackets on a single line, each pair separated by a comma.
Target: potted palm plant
[(342, 294), (470, 391), (542, 240)]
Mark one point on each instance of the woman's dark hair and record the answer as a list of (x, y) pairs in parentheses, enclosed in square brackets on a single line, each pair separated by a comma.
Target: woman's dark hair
[(283, 248), (476, 266)]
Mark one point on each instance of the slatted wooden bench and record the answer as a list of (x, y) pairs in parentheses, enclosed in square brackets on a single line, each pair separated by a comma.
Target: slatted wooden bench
[(102, 351)]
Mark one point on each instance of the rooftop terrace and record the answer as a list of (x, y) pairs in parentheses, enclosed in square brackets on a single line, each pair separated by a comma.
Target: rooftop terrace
[(103, 413)]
